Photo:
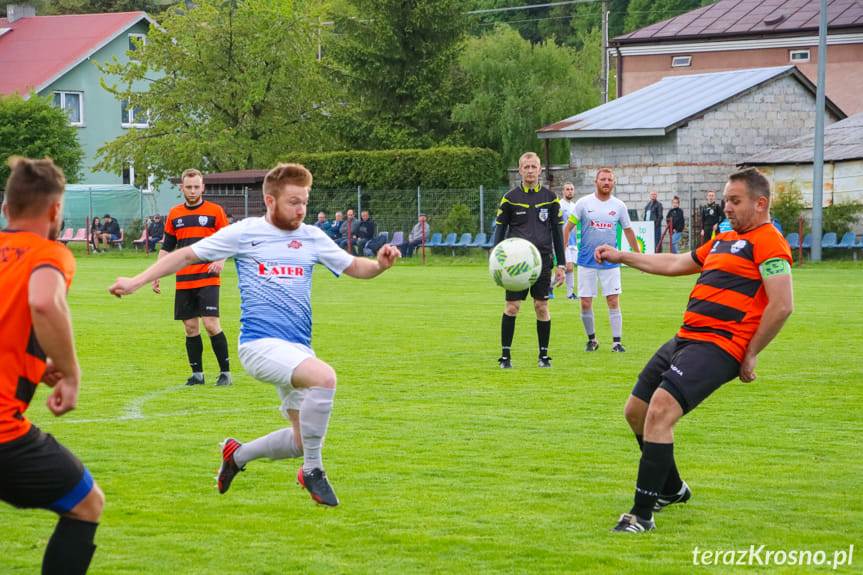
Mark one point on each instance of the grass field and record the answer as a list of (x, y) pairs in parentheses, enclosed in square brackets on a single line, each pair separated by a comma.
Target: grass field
[(443, 462)]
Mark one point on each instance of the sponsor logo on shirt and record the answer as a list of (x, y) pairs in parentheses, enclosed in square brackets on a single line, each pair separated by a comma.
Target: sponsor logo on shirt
[(279, 270), (601, 225), (294, 244)]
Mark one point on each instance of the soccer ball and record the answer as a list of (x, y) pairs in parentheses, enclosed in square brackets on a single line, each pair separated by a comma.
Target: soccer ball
[(514, 264)]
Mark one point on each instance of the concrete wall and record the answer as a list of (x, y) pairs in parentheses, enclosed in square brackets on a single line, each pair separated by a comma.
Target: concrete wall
[(844, 70)]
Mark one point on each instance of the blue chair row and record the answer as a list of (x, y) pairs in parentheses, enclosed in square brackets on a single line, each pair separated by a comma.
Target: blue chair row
[(466, 241), (849, 241)]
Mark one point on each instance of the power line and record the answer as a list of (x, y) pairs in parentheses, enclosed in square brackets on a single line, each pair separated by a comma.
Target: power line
[(548, 5)]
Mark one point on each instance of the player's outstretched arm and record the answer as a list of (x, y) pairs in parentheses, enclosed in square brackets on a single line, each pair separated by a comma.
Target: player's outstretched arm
[(52, 325), (364, 268), (660, 264), (171, 263)]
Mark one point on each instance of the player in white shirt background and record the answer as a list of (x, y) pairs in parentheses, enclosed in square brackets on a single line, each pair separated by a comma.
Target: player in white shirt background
[(600, 214), (275, 255), (567, 205)]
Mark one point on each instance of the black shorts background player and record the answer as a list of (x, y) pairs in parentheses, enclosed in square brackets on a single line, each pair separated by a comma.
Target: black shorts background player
[(532, 212)]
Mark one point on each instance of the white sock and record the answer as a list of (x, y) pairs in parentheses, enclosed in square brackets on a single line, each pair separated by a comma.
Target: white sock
[(587, 320), (615, 319), (570, 283), (279, 444), (314, 419)]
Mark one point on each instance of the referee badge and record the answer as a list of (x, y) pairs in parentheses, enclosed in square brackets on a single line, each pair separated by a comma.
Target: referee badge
[(543, 214)]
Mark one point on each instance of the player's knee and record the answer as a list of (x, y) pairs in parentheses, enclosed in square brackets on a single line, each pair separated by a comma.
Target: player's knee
[(90, 508)]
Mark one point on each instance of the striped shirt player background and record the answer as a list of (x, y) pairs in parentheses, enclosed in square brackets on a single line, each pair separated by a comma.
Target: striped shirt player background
[(186, 226)]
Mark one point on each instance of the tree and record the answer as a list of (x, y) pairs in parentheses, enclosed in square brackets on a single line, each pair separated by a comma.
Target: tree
[(100, 6), (643, 13), (224, 86), (35, 128), (394, 60), (517, 88)]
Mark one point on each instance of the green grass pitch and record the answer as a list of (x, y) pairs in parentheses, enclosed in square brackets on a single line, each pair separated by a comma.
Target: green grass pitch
[(443, 462)]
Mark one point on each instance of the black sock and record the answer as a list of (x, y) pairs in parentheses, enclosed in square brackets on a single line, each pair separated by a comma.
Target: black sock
[(543, 334), (656, 459), (70, 548), (195, 351), (220, 348), (615, 340), (591, 336), (640, 440), (673, 483), (507, 330)]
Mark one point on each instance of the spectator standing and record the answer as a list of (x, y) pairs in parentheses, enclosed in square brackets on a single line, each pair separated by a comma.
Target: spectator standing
[(110, 231), (653, 213), (155, 231), (677, 223), (711, 215), (38, 346), (196, 299), (418, 236), (532, 212), (366, 232), (96, 233), (600, 214)]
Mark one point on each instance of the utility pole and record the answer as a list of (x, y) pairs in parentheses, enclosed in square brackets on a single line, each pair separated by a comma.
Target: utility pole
[(603, 80)]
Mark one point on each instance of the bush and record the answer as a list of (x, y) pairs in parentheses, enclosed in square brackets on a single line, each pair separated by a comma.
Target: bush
[(839, 218), (459, 221), (787, 207), (133, 232)]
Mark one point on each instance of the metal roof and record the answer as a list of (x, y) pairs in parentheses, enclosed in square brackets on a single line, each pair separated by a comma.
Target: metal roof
[(842, 141), (666, 105), (762, 18)]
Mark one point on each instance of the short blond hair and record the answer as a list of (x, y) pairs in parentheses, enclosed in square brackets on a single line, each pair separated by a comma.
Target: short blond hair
[(527, 155), (191, 173), (33, 185), (286, 175)]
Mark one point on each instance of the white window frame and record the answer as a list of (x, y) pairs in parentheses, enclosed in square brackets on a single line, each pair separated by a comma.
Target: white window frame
[(681, 61), (798, 56), (142, 37), (133, 122), (62, 105)]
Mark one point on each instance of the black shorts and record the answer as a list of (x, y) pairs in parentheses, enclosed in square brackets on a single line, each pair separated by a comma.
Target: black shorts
[(196, 302), (688, 369), (37, 472), (539, 290)]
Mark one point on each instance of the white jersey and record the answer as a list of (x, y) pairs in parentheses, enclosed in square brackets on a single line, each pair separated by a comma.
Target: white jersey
[(274, 268), (566, 208), (599, 226)]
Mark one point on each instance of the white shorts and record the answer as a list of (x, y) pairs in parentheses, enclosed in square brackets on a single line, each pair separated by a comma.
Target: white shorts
[(571, 254), (609, 281), (272, 360)]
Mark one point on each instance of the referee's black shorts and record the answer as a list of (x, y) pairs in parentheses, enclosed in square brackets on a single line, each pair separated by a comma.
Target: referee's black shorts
[(196, 302), (688, 369), (540, 289), (36, 471)]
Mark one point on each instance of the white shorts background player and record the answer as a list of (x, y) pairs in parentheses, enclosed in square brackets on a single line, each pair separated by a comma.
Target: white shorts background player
[(275, 256)]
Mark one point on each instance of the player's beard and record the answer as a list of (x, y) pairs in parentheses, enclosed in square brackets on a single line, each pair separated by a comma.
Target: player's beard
[(54, 232), (283, 222)]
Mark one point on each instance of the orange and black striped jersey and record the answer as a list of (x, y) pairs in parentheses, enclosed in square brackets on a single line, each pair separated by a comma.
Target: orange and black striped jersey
[(22, 358), (184, 227), (727, 302)]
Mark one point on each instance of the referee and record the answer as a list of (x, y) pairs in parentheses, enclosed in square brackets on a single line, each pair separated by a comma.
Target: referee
[(531, 212)]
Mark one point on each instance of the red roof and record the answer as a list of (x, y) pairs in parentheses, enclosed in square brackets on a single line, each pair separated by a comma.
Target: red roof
[(36, 51), (750, 18)]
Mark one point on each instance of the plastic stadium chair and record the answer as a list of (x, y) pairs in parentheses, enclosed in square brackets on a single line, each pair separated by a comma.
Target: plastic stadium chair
[(478, 241), (490, 243), (793, 240), (140, 241), (848, 241), (464, 241), (807, 242), (435, 241), (829, 240), (449, 241), (398, 239), (68, 234)]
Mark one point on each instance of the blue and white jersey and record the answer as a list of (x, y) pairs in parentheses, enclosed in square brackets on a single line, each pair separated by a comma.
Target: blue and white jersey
[(566, 208), (274, 268), (599, 227)]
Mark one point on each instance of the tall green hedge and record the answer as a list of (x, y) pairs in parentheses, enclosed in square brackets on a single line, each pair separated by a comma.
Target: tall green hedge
[(452, 167)]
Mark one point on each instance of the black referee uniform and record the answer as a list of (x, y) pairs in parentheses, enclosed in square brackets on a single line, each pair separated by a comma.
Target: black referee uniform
[(533, 215)]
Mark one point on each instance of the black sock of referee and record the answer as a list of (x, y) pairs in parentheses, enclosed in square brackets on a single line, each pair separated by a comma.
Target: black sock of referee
[(673, 483), (70, 548), (507, 330), (543, 334), (195, 351), (656, 459), (220, 348)]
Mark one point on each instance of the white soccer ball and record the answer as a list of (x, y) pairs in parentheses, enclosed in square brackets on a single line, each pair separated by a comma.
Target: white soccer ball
[(515, 264)]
